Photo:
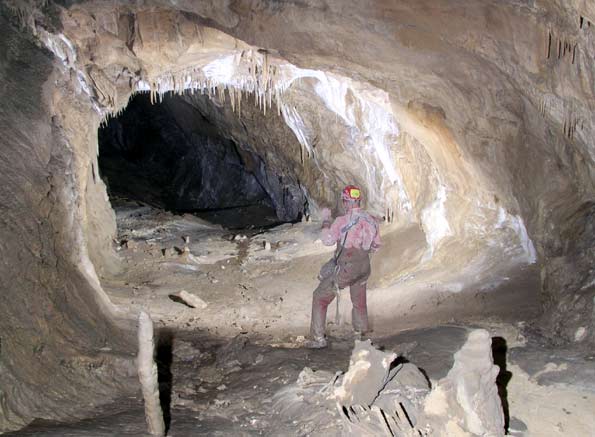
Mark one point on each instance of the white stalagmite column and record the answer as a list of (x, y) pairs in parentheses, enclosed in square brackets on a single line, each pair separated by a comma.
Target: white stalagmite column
[(147, 374)]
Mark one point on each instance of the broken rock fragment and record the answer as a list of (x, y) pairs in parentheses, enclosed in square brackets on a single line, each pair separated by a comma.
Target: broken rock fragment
[(367, 375), (379, 396), (192, 300), (185, 351), (375, 399), (405, 392), (236, 353)]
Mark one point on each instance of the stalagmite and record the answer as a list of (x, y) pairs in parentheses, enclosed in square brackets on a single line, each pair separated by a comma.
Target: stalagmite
[(469, 394), (147, 374)]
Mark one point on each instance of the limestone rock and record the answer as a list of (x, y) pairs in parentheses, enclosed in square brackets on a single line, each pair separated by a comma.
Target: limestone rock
[(192, 300), (185, 351), (367, 375), (308, 377), (468, 395), (237, 352), (405, 390)]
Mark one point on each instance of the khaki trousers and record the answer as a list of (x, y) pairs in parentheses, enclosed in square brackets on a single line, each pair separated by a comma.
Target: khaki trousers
[(354, 271)]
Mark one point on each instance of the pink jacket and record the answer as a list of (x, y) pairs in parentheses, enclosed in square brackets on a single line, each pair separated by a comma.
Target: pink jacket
[(362, 231)]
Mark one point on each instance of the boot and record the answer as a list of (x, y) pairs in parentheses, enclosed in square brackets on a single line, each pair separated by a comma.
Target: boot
[(361, 335), (316, 343)]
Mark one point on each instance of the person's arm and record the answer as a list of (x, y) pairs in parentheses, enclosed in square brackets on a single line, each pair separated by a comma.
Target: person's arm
[(330, 232), (326, 218)]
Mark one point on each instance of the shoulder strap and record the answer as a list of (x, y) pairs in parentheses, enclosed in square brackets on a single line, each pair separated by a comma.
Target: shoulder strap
[(349, 225), (345, 229), (366, 217)]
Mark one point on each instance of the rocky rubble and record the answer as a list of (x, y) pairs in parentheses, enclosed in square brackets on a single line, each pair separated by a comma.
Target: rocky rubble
[(383, 394)]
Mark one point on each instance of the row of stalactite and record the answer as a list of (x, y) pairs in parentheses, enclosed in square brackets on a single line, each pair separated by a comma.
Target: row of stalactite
[(561, 47), (257, 76), (571, 124), (584, 23), (564, 48)]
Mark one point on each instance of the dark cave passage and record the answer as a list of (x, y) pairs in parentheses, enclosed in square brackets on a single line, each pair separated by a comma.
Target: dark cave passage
[(172, 155)]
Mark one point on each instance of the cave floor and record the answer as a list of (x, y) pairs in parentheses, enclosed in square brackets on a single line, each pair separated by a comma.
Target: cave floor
[(260, 279), (215, 387), (248, 279), (256, 285)]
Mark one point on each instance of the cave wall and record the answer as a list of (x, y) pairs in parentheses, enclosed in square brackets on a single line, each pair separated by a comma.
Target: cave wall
[(513, 84), (494, 98), (268, 147), (52, 320)]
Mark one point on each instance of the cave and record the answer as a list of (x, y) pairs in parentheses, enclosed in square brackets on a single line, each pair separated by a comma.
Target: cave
[(172, 156), (167, 170)]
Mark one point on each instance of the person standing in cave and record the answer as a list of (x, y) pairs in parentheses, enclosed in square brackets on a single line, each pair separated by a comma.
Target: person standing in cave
[(356, 234)]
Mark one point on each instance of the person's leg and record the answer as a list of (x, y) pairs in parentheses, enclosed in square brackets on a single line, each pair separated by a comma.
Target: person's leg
[(359, 312), (321, 298), (355, 271)]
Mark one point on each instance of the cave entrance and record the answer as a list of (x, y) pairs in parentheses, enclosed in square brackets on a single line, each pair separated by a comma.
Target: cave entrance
[(178, 155)]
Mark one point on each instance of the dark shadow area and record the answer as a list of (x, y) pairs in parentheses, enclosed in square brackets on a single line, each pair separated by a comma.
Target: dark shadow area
[(164, 360), (499, 351), (441, 340), (398, 361), (403, 360), (178, 299), (172, 156)]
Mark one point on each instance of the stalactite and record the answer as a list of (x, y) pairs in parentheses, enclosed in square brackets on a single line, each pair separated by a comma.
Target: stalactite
[(265, 70), (278, 101), (240, 104), (256, 74)]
